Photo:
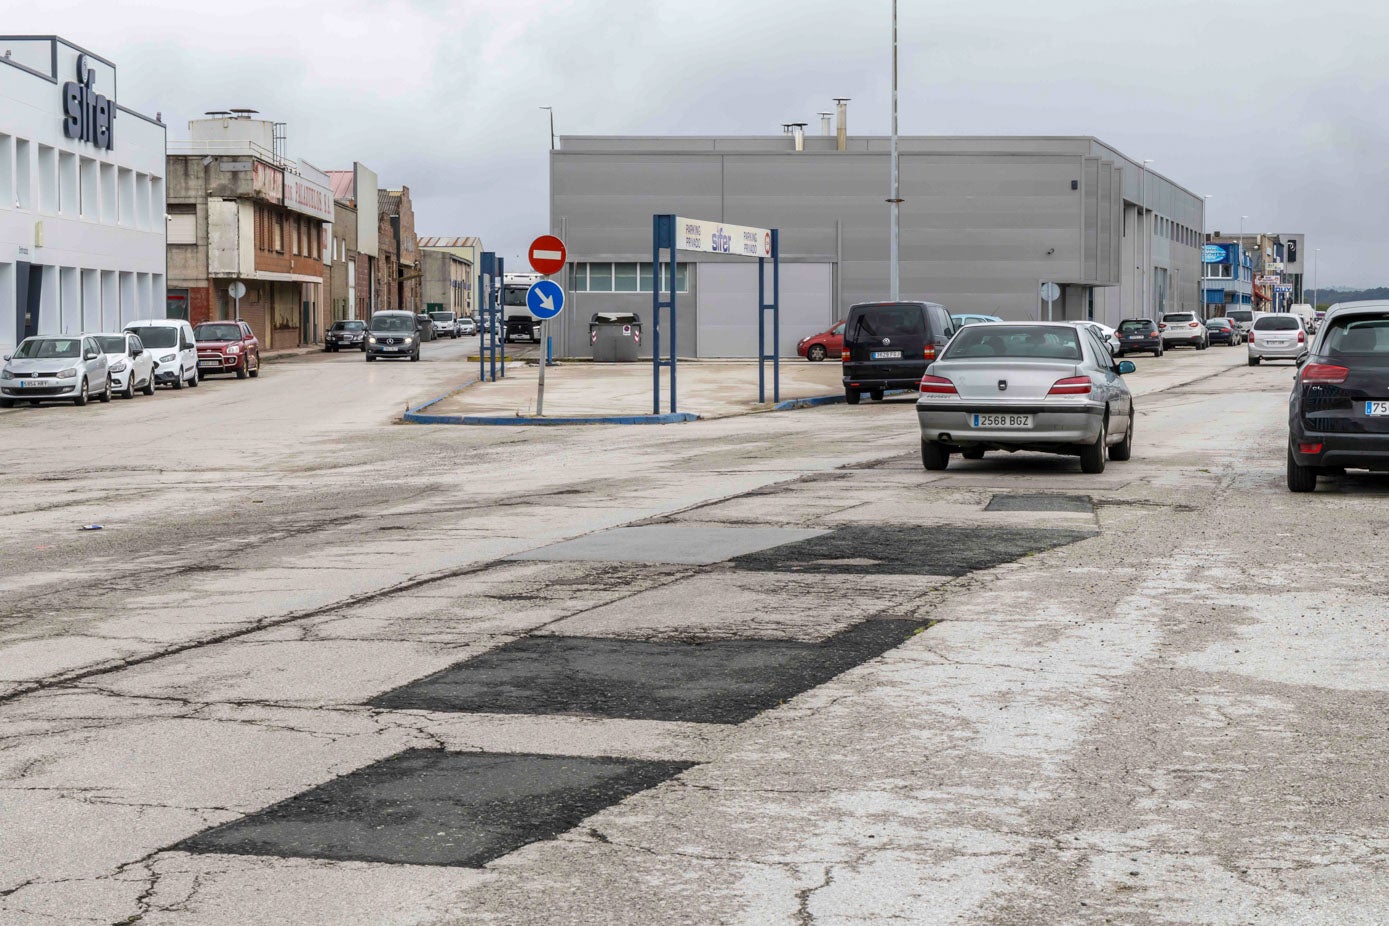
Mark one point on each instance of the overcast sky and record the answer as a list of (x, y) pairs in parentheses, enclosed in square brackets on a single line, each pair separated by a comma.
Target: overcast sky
[(1275, 107)]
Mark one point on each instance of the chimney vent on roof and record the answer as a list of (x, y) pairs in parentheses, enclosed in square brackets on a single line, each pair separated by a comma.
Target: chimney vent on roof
[(826, 130), (841, 109), (241, 112)]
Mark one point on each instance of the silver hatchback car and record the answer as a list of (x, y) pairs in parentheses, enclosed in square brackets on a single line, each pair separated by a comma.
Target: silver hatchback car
[(1276, 336), (55, 368), (1049, 387)]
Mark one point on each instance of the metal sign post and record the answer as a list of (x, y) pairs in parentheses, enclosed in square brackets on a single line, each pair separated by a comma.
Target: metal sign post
[(662, 239), (775, 308), (1050, 292), (544, 300), (492, 323), (236, 291)]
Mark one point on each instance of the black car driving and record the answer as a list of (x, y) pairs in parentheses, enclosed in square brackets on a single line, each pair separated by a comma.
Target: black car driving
[(346, 333), (1223, 331), (1338, 414), (887, 345), (1139, 335)]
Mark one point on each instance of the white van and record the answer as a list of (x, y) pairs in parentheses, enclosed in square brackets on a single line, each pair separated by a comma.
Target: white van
[(1305, 311), (170, 342)]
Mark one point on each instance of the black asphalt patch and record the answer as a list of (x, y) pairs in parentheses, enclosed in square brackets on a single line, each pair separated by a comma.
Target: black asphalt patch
[(1068, 503), (431, 807), (892, 549), (725, 681)]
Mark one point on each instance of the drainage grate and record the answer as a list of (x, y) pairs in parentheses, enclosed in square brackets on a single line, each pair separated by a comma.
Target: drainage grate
[(899, 550), (1078, 503), (430, 807), (726, 681)]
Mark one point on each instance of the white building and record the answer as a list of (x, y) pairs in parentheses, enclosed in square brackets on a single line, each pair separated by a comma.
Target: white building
[(82, 223)]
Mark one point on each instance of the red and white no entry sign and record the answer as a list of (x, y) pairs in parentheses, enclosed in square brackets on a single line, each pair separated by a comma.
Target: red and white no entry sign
[(547, 255)]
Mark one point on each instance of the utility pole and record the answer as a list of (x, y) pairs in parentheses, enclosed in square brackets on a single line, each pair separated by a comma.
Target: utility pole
[(895, 202), (1240, 268), (1315, 252), (1201, 246)]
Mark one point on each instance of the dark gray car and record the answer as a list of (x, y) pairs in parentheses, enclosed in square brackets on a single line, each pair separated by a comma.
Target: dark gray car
[(393, 334)]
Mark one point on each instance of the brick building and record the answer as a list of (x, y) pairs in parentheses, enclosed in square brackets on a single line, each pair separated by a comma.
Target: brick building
[(398, 277), (456, 270), (353, 253), (239, 210)]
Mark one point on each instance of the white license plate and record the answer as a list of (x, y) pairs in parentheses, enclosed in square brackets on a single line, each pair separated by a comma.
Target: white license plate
[(37, 383), (209, 363), (1001, 421), (887, 355), (394, 347), (1377, 408)]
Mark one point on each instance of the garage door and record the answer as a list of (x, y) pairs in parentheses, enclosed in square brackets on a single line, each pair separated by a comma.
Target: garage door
[(727, 294)]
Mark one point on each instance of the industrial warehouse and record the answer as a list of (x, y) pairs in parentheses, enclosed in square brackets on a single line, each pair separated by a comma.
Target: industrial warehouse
[(985, 222)]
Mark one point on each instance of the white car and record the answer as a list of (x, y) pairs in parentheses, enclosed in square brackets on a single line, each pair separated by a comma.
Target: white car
[(1184, 328), (170, 341), (1108, 335), (130, 364), (49, 367)]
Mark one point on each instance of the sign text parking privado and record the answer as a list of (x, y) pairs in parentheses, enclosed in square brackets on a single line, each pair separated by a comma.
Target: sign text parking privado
[(722, 238)]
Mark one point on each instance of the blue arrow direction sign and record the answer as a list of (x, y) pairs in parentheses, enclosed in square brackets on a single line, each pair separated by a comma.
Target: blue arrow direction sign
[(545, 299)]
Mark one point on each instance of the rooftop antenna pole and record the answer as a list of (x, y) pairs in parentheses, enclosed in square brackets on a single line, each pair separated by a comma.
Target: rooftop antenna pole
[(895, 202)]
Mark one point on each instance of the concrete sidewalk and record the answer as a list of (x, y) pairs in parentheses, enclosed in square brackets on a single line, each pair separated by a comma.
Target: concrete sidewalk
[(710, 389)]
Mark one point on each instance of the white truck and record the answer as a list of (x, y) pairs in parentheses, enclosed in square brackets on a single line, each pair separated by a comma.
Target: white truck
[(519, 322), (1306, 312)]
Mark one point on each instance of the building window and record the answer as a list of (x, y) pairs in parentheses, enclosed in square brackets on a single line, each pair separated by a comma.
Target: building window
[(48, 179), (600, 278), (183, 225), (69, 199), (621, 278), (6, 171), (1219, 271), (22, 188), (625, 278), (278, 233), (294, 235)]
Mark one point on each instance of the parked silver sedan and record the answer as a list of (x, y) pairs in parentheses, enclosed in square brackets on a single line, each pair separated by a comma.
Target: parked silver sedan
[(48, 368), (1045, 386)]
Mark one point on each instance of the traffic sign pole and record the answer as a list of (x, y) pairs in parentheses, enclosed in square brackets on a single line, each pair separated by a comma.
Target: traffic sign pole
[(544, 300), (540, 387)]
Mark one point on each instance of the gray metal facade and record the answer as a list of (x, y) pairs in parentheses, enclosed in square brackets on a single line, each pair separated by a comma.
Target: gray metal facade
[(985, 221)]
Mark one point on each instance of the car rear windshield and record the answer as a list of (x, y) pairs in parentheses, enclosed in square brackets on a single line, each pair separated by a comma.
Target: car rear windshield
[(1179, 317), (43, 348), (1359, 334), (881, 321), (111, 344), (349, 326), (217, 333), (1277, 323), (1217, 323), (157, 335), (1037, 343), (441, 316), (392, 323), (1139, 324), (1241, 315)]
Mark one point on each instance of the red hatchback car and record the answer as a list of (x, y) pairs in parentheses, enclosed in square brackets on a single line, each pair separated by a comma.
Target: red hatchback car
[(227, 347), (825, 344)]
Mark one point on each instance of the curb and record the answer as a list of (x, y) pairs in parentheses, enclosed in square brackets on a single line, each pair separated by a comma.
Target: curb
[(819, 400), (417, 415)]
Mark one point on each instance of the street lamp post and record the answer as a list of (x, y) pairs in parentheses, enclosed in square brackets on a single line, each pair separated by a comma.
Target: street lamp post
[(895, 201), (1201, 249), (1240, 268), (1315, 252)]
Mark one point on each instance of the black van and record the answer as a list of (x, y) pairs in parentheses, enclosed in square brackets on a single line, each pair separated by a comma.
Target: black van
[(887, 345)]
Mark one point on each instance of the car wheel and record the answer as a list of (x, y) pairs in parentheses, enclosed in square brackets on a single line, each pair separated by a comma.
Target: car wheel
[(149, 383), (1092, 456), (245, 369), (1158, 352), (876, 395), (255, 371), (1122, 451), (851, 396), (414, 358), (973, 453), (370, 358), (364, 347), (815, 353), (1253, 361), (934, 456), (81, 395), (1300, 478), (106, 393), (193, 383), (129, 391)]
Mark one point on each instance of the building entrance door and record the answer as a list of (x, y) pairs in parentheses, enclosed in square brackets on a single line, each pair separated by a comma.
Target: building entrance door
[(176, 304)]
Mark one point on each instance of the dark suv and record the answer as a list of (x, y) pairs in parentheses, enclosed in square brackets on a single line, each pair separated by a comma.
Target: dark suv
[(393, 334), (887, 345), (1338, 414), (1139, 334)]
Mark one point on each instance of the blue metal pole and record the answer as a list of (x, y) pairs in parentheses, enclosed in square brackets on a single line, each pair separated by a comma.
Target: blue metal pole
[(674, 325), (761, 331), (501, 307), (776, 316), (549, 351), (656, 314)]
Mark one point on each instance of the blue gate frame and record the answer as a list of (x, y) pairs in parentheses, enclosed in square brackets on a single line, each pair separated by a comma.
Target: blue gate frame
[(493, 319), (663, 239)]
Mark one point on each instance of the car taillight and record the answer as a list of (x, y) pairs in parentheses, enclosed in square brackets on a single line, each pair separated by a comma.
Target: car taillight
[(1162, 325), (1071, 385), (1192, 325), (844, 355), (937, 385), (1251, 335), (930, 352), (1324, 373), (1301, 338), (1309, 448)]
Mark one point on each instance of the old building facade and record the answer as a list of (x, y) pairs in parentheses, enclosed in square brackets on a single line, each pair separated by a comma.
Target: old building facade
[(240, 211)]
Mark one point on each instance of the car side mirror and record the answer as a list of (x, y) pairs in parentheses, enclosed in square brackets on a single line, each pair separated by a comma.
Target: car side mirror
[(1126, 366), (89, 355), (1301, 359), (8, 356), (136, 351)]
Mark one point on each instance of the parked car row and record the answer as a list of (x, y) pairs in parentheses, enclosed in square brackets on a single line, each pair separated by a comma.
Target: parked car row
[(146, 353)]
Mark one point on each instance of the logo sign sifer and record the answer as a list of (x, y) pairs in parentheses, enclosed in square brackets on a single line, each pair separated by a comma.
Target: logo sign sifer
[(547, 255), (721, 238), (87, 115)]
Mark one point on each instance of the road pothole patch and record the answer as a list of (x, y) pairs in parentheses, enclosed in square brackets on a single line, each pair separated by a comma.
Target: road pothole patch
[(432, 807), (1042, 502), (724, 681), (894, 549), (668, 543)]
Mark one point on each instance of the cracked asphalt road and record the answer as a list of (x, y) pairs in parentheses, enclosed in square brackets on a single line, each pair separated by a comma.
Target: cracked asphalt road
[(1174, 713)]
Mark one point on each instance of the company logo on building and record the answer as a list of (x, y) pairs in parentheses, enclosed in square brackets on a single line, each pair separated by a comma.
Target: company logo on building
[(89, 116)]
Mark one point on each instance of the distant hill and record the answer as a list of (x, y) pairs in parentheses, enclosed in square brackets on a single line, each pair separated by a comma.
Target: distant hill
[(1329, 295)]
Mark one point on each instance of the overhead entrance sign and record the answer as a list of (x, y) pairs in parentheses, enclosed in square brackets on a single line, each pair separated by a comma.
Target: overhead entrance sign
[(545, 299), (547, 255), (722, 238)]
